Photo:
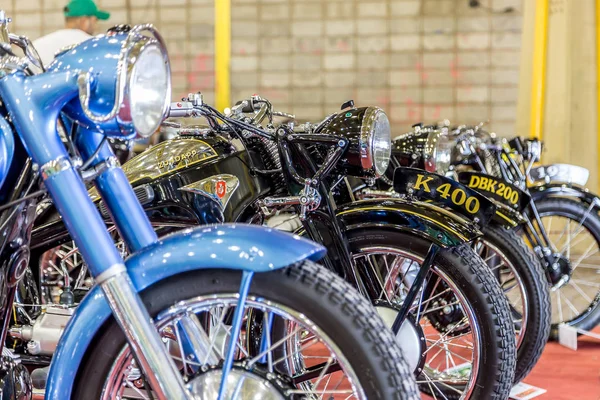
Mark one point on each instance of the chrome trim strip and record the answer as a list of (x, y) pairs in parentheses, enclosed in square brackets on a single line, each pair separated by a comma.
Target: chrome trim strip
[(56, 166), (113, 270), (143, 338), (112, 162)]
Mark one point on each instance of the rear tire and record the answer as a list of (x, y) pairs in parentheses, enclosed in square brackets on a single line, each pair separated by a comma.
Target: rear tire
[(337, 309)]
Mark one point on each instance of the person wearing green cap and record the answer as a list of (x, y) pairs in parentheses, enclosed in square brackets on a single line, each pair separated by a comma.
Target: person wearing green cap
[(81, 17)]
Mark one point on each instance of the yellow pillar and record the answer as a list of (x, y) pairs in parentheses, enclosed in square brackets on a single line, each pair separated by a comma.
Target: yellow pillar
[(598, 82), (540, 38), (222, 53)]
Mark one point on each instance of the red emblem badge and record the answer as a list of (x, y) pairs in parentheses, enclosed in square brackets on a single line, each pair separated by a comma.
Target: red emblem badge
[(221, 188)]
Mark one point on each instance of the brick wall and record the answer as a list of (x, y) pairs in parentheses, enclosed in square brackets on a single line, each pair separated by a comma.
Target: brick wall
[(418, 59), (186, 25)]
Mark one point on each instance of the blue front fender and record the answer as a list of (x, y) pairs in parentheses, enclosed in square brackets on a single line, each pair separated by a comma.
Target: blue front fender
[(230, 246)]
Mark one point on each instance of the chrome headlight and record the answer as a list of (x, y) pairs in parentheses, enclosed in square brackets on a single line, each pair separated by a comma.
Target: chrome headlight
[(367, 130), (123, 79), (375, 141), (438, 152), (148, 87)]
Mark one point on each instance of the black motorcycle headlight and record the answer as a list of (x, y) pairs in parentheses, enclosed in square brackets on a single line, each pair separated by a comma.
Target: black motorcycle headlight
[(375, 141), (368, 131)]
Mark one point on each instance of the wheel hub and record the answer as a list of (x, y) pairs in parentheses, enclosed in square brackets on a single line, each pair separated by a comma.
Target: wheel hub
[(559, 271), (410, 337), (240, 384), (445, 313)]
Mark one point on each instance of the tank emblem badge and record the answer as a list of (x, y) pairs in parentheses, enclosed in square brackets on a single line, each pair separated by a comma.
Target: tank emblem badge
[(218, 187), (221, 188)]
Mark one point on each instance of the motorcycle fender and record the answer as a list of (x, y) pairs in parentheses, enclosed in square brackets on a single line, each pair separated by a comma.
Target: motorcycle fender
[(558, 189), (229, 246), (419, 218)]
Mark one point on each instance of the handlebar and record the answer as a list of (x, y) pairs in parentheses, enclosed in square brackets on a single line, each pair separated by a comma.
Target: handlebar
[(262, 108), (182, 109)]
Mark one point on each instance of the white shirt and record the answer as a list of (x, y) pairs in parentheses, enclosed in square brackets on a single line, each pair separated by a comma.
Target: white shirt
[(48, 45)]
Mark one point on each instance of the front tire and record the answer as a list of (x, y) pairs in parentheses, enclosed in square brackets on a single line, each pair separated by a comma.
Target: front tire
[(578, 302), (328, 302), (485, 306), (520, 267)]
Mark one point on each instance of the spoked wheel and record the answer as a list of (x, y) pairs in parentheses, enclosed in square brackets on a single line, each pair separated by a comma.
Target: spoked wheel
[(521, 277), (306, 335), (574, 230), (460, 317), (63, 266)]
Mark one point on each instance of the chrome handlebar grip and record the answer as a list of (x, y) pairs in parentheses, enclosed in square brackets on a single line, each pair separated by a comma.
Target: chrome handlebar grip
[(4, 35), (283, 114)]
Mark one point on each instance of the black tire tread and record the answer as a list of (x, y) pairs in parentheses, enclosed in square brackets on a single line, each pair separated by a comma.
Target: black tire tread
[(365, 318), (531, 271), (483, 280)]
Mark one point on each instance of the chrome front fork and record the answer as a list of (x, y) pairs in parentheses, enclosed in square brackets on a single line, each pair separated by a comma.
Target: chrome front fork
[(106, 265), (151, 353)]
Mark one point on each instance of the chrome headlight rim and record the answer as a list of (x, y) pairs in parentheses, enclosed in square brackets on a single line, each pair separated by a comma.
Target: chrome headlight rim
[(366, 142), (133, 47), (433, 151)]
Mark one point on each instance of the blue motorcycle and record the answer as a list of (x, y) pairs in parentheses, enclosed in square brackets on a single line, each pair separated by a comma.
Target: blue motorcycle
[(217, 312)]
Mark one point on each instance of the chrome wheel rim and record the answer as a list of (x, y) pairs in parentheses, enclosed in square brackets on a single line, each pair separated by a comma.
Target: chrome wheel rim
[(580, 295), (510, 282), (453, 371), (303, 345)]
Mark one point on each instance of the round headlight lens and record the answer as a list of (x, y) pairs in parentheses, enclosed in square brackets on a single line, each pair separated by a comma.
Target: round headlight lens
[(443, 154), (381, 143), (149, 90)]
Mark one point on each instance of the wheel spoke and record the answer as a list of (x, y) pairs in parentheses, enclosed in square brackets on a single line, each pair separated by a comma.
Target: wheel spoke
[(581, 292), (274, 346), (194, 342), (444, 335), (560, 310), (433, 386), (377, 274), (213, 340), (585, 255), (585, 283), (571, 306), (430, 299)]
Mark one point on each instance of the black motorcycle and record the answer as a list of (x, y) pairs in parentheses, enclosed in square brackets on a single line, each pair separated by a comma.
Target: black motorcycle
[(412, 259), (563, 230), (515, 266)]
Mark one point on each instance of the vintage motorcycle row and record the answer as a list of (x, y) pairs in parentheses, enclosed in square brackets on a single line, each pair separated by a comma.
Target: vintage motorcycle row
[(439, 230)]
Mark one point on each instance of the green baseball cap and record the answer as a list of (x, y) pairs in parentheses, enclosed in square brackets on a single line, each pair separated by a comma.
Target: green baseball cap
[(85, 8)]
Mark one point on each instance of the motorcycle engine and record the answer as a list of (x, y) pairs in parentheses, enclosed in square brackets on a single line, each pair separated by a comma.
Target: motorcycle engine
[(42, 337), (15, 382)]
